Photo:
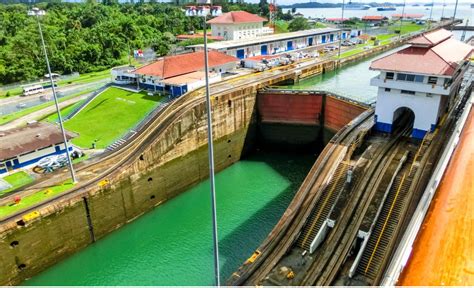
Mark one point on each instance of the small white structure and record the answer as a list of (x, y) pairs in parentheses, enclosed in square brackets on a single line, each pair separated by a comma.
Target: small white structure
[(238, 25), (424, 78)]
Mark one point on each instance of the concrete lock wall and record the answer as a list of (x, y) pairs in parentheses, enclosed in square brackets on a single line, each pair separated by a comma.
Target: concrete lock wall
[(302, 118), (176, 160)]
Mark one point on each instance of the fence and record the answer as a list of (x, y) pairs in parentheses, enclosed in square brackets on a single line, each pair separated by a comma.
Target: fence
[(23, 83)]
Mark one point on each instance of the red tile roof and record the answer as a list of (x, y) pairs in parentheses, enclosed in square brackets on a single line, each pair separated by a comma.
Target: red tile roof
[(171, 66), (376, 18), (413, 16), (441, 59), (336, 19), (236, 17), (432, 38)]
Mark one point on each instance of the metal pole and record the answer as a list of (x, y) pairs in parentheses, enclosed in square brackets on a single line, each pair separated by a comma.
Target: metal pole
[(431, 15), (454, 15), (211, 163), (340, 32), (401, 20), (442, 11), (66, 146)]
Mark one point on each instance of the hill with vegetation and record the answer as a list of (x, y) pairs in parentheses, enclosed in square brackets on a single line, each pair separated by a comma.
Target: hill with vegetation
[(91, 36)]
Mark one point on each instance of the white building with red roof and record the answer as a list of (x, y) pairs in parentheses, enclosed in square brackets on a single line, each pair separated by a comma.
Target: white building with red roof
[(423, 78), (176, 74), (237, 25)]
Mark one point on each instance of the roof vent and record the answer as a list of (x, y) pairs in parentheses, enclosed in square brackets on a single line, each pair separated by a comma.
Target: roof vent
[(38, 135)]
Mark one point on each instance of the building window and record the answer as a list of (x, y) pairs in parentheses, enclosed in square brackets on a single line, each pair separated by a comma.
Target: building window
[(408, 92), (432, 80), (409, 77), (401, 76), (389, 75), (419, 78), (388, 89)]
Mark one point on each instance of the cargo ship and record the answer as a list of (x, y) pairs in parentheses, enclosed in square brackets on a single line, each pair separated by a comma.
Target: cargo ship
[(356, 6), (386, 8)]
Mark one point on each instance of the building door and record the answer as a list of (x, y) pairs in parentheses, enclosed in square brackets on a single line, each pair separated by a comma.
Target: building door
[(310, 41), (344, 35), (241, 54), (323, 40), (289, 45), (264, 50), (331, 38)]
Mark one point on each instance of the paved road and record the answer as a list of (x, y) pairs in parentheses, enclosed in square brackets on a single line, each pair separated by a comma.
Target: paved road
[(9, 105), (38, 114)]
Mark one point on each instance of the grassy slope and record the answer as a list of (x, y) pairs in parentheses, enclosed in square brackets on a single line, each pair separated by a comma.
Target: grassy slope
[(109, 116), (17, 180)]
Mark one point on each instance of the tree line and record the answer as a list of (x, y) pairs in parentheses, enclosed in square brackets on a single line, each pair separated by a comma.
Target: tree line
[(91, 36)]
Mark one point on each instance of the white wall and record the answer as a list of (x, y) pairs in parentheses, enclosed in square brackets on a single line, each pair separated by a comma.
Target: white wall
[(237, 31), (425, 108)]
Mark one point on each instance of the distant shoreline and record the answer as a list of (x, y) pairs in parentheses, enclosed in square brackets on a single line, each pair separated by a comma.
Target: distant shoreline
[(338, 5)]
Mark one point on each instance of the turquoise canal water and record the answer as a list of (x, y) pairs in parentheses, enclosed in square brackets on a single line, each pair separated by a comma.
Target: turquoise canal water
[(172, 245), (352, 81)]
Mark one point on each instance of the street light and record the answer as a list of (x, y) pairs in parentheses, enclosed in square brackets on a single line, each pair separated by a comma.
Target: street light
[(340, 32), (204, 11), (401, 20), (37, 13)]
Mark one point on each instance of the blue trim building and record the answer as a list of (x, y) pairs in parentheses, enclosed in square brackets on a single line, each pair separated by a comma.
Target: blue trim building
[(27, 145)]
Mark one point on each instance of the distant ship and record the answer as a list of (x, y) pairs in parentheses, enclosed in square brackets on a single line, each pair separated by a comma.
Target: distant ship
[(429, 4), (415, 5), (355, 6), (386, 8), (472, 5)]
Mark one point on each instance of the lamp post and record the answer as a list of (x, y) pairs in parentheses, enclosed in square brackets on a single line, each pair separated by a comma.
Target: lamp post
[(454, 15), (431, 15), (37, 13), (340, 32), (204, 11), (401, 20)]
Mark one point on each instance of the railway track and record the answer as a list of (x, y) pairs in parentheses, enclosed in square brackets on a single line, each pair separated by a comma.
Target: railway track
[(106, 165), (332, 254), (286, 230)]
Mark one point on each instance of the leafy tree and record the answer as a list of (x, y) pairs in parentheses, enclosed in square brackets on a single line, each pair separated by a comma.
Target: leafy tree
[(299, 23), (90, 36)]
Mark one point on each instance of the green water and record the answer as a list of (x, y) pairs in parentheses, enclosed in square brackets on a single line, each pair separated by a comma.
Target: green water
[(171, 245), (352, 81)]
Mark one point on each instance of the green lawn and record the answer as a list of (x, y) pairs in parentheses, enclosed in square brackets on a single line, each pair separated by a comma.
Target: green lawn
[(109, 116), (53, 117), (407, 27), (17, 180), (32, 199)]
